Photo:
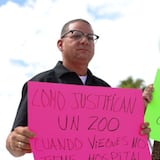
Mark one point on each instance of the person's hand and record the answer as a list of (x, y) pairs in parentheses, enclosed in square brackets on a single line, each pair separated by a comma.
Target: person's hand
[(147, 97), (17, 141), (145, 130), (147, 94)]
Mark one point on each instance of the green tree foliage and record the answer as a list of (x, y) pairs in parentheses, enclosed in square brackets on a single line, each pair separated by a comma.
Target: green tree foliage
[(131, 83)]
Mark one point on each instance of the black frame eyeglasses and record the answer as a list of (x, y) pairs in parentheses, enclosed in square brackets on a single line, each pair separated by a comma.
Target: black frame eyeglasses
[(78, 35)]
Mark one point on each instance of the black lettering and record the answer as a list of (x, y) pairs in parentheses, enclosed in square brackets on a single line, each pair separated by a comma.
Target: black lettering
[(48, 99), (93, 142), (127, 105), (138, 143), (58, 144), (97, 157), (101, 124), (58, 157), (68, 124), (95, 118)]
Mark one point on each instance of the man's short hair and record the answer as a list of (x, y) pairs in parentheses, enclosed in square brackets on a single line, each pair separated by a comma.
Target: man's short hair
[(66, 25)]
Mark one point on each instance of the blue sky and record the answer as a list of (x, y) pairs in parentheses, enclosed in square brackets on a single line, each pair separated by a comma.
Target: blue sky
[(19, 62), (19, 2), (129, 44), (96, 13)]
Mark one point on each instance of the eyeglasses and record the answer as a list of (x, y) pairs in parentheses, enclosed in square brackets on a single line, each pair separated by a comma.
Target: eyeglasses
[(78, 35)]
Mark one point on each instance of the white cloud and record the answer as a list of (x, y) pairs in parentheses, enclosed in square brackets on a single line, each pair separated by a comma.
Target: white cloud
[(130, 44), (127, 46)]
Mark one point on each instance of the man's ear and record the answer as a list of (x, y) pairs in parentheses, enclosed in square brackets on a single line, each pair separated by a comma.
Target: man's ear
[(59, 44)]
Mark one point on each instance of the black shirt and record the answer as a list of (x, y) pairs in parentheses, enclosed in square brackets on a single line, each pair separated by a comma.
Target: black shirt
[(59, 74)]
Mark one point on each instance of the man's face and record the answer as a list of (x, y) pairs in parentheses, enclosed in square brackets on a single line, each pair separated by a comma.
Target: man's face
[(77, 50)]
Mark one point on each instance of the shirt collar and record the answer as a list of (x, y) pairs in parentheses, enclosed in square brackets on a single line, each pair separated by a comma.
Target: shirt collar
[(62, 70)]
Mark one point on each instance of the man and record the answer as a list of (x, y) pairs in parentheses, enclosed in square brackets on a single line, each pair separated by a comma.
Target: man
[(77, 47)]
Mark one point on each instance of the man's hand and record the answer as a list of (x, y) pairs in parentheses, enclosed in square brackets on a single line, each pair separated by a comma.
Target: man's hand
[(17, 141), (145, 130), (147, 94)]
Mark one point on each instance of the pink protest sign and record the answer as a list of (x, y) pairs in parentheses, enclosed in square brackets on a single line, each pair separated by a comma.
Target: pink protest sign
[(75, 122)]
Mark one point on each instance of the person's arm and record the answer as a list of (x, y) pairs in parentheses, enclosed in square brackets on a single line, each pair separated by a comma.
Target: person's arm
[(17, 142), (145, 130), (147, 97), (147, 94)]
